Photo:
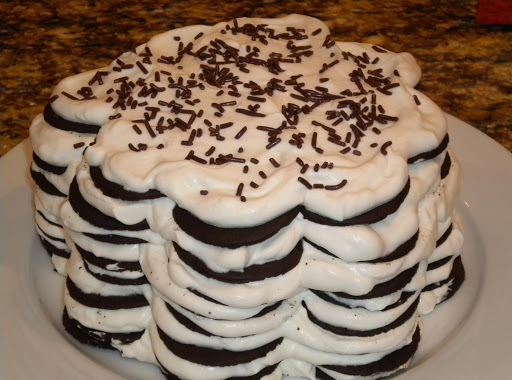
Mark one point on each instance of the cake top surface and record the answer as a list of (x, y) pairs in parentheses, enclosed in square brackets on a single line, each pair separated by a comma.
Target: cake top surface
[(244, 120)]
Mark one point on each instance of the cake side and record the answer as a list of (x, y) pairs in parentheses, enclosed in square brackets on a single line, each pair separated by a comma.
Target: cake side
[(250, 199)]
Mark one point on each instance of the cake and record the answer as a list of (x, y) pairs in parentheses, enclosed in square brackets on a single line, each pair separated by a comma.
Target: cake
[(250, 200)]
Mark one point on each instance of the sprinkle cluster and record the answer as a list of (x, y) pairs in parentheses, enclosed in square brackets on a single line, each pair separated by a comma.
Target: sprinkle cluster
[(170, 101)]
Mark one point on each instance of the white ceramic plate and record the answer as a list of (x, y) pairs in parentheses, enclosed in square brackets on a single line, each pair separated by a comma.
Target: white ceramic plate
[(467, 338)]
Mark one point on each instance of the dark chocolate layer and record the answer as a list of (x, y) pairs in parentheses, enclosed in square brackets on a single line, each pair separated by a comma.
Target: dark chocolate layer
[(115, 190), (94, 337), (383, 289), (107, 264), (445, 236), (48, 220), (186, 322), (204, 296), (268, 309), (432, 153), (265, 310), (56, 121), (403, 298), (230, 237), (53, 250), (190, 325), (326, 297), (115, 239), (95, 217), (215, 357), (400, 251), (45, 185), (445, 167), (439, 263), (388, 363), (343, 331), (458, 275), (50, 237), (99, 301), (116, 280), (264, 372), (257, 272), (457, 272), (369, 217), (59, 170)]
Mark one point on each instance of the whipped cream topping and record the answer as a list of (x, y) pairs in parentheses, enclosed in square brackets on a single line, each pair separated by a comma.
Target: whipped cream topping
[(175, 116)]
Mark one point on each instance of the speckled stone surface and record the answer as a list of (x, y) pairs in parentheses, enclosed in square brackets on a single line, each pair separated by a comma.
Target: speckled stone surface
[(467, 69)]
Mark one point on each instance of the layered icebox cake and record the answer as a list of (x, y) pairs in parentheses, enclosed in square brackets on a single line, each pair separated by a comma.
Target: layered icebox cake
[(250, 200)]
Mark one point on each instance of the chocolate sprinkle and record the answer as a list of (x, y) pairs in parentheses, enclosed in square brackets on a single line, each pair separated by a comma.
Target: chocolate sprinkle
[(193, 157), (305, 182), (379, 49), (241, 132), (141, 67), (249, 112), (210, 151), (274, 162), (336, 187), (239, 189), (384, 147)]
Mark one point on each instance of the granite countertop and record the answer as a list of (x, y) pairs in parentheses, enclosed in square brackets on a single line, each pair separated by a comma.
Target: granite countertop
[(467, 69)]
